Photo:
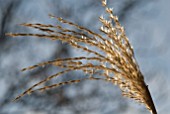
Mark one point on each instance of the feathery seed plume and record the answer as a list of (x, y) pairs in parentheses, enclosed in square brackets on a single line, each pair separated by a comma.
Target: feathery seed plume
[(121, 69)]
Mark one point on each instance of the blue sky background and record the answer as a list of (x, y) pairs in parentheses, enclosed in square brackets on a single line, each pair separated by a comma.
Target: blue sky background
[(147, 26)]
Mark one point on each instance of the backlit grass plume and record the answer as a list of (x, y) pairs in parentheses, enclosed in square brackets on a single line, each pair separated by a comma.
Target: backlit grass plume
[(111, 57)]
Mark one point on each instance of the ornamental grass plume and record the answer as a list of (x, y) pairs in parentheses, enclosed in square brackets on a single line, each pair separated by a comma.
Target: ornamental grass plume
[(111, 57)]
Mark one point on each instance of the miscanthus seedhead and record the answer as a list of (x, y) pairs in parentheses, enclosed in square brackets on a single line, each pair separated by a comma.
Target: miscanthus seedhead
[(111, 57)]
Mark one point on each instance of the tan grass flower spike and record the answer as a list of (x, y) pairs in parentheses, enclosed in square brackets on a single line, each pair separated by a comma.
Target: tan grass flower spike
[(111, 57)]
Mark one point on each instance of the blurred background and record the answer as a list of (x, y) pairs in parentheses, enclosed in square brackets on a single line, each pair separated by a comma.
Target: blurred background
[(147, 26)]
